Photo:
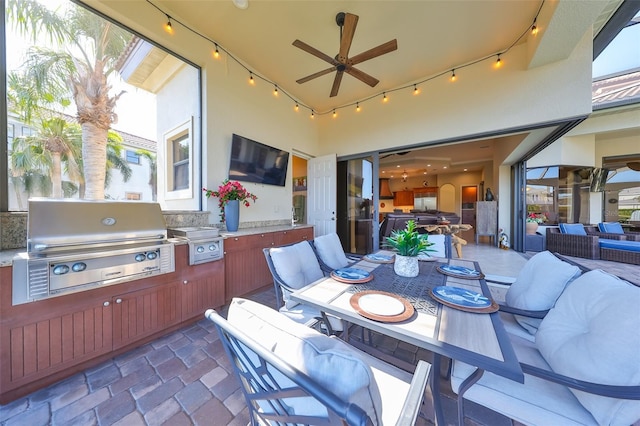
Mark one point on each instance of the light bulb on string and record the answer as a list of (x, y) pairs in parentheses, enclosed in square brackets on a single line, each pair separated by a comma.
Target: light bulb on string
[(216, 53), (275, 90), (415, 90), (296, 108), (453, 75), (312, 114), (384, 97), (357, 106), (335, 114), (167, 27), (534, 28), (251, 80), (498, 63)]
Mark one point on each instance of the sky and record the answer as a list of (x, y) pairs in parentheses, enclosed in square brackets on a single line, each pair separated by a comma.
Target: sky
[(623, 53)]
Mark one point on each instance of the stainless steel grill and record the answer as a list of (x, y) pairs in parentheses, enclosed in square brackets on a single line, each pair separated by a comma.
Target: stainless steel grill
[(74, 245)]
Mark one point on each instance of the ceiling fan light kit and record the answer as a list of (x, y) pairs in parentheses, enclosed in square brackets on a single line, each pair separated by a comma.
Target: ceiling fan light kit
[(341, 63)]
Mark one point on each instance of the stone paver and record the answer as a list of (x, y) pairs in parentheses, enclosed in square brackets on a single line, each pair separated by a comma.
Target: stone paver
[(159, 395), (163, 412), (103, 377), (67, 413), (193, 396), (170, 368), (115, 408), (37, 416)]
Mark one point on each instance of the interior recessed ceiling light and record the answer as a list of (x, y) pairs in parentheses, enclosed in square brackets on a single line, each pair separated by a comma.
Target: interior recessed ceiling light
[(241, 4), (398, 166)]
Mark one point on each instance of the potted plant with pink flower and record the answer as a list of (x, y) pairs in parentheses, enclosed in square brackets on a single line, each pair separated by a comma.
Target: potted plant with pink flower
[(230, 194)]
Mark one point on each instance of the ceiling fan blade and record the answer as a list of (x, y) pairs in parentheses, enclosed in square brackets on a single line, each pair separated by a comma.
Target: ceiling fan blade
[(387, 47), (349, 29), (362, 76), (336, 84), (315, 75), (315, 52)]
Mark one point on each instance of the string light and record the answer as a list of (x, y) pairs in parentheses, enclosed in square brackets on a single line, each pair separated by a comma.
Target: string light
[(216, 54), (167, 27)]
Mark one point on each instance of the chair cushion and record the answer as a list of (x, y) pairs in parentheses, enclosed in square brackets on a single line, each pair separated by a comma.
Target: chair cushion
[(438, 245), (330, 250), (297, 265), (619, 244), (572, 228), (538, 285), (611, 227), (592, 334), (331, 362)]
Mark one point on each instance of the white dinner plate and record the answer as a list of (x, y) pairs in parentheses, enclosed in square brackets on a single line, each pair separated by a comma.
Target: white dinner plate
[(380, 304)]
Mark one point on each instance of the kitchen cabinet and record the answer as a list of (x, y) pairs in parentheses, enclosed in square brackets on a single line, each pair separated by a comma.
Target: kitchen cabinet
[(244, 262), (45, 341), (403, 198)]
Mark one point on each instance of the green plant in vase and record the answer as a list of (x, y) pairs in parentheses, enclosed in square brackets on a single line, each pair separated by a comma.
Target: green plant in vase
[(408, 244)]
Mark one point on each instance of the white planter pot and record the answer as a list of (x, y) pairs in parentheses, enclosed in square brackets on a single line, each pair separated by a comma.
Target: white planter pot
[(406, 266)]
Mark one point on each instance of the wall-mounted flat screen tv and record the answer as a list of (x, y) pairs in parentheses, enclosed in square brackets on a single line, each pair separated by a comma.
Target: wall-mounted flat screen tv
[(253, 161)]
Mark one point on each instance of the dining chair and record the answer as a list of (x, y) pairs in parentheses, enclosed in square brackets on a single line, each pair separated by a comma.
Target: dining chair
[(291, 374), (330, 252), (292, 267)]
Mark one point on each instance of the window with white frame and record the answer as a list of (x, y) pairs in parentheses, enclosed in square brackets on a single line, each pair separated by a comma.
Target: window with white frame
[(179, 151)]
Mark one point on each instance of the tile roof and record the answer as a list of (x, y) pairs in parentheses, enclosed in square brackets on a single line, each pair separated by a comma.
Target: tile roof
[(616, 90)]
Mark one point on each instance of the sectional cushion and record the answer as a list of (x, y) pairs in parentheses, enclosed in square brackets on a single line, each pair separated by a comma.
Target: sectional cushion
[(329, 361), (330, 250), (592, 334), (297, 265), (572, 228), (619, 244), (538, 285), (611, 227)]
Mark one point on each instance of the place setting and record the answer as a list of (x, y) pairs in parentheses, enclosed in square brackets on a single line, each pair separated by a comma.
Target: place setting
[(379, 258), (382, 306), (463, 299), (460, 272), (351, 275)]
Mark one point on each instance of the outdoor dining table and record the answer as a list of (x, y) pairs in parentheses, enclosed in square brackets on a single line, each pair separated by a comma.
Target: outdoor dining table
[(478, 339)]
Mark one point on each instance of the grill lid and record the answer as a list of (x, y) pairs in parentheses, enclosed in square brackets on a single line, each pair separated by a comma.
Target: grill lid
[(55, 225)]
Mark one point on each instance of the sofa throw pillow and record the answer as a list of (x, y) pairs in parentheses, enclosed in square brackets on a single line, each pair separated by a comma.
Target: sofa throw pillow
[(331, 362), (538, 285), (297, 265), (330, 250), (610, 227), (592, 334), (572, 228)]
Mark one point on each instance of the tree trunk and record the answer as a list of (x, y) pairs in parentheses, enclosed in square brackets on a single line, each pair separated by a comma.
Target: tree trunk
[(94, 154), (56, 174)]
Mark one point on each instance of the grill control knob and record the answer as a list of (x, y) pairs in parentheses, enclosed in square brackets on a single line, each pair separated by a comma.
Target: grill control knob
[(78, 267), (60, 269), (212, 247), (140, 257), (152, 255), (200, 249)]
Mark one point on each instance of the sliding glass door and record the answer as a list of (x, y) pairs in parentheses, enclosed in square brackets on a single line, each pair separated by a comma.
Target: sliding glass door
[(356, 208)]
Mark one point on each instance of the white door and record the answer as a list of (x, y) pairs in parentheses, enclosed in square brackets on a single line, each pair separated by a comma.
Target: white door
[(321, 193)]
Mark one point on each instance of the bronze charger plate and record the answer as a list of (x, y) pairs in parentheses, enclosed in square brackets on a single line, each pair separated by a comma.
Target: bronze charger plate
[(485, 310), (404, 315)]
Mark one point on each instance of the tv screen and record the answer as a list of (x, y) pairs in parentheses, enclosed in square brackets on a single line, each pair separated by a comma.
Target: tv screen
[(253, 161)]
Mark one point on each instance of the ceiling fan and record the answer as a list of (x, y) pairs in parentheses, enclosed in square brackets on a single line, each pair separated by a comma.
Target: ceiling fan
[(342, 63)]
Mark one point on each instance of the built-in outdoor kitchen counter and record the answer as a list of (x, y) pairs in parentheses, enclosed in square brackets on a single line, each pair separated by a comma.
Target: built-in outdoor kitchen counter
[(45, 340)]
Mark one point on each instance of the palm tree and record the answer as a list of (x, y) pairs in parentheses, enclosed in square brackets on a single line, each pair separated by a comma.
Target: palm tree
[(54, 143), (153, 171), (90, 47)]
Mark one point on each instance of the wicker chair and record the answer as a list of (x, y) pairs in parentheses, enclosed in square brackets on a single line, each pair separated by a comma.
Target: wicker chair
[(585, 246)]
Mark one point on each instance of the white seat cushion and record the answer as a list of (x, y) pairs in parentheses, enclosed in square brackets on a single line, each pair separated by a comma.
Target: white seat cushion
[(538, 285), (307, 315), (593, 334), (329, 361), (297, 265), (438, 241), (330, 250)]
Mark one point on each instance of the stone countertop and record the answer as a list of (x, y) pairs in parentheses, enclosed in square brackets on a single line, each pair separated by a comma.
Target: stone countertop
[(6, 256)]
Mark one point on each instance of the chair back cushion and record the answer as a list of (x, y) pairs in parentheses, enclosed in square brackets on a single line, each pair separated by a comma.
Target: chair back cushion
[(572, 228), (438, 241), (330, 250), (610, 227), (593, 334), (538, 285), (297, 265), (329, 361)]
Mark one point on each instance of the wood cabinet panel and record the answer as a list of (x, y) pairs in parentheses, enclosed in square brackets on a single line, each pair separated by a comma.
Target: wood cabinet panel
[(403, 198), (293, 236), (202, 288)]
